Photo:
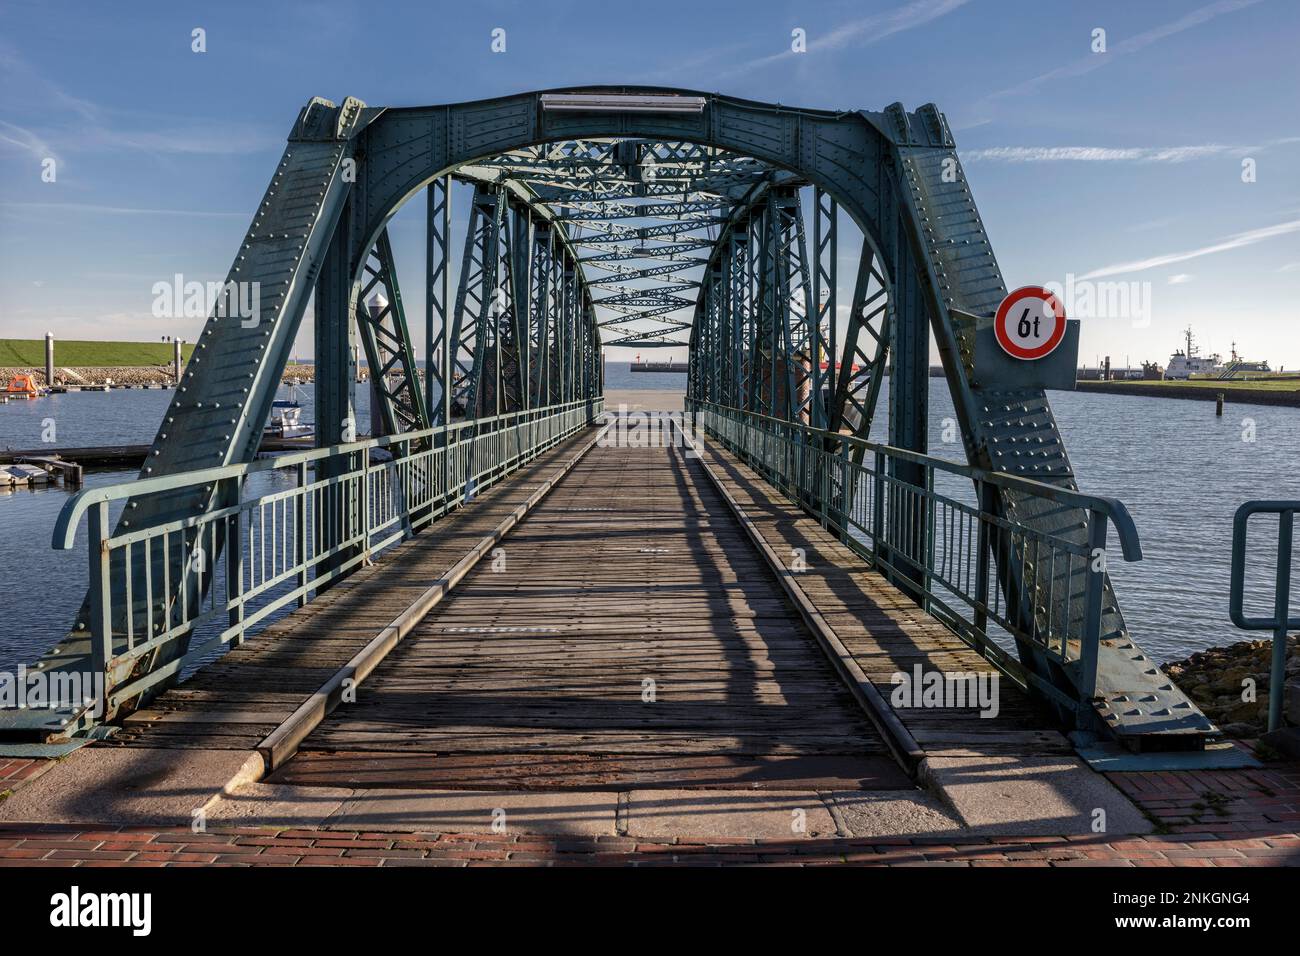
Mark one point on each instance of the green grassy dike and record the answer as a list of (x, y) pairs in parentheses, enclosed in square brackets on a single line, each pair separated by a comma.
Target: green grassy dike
[(1256, 391), (74, 353), (1215, 385)]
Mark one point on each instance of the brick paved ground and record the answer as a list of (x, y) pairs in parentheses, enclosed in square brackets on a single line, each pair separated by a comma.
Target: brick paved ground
[(14, 771), (1224, 803), (66, 845), (1224, 818)]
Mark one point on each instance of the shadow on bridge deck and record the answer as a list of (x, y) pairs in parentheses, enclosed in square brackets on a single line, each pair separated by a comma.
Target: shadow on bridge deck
[(625, 636), (625, 662)]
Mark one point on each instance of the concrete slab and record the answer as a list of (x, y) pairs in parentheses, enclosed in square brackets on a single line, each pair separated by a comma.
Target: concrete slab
[(269, 805), (894, 813), (121, 785), (1031, 796), (465, 811), (1116, 758), (734, 814)]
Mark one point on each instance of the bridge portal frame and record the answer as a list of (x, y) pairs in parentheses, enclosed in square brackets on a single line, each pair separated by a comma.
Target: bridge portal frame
[(349, 168)]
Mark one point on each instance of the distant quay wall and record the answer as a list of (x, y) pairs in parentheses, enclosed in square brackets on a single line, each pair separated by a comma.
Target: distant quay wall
[(1250, 396), (125, 376)]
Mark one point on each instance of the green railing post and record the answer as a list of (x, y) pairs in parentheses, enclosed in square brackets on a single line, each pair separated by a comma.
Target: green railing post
[(363, 507), (1090, 640), (1281, 622), (300, 532), (101, 592), (928, 543), (235, 570), (983, 548), (1281, 610), (878, 503)]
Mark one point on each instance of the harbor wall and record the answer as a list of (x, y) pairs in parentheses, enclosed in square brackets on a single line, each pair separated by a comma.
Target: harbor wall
[(1252, 396)]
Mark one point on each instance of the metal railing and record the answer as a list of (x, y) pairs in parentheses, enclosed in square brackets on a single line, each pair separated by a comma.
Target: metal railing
[(1281, 621), (970, 564), (152, 588)]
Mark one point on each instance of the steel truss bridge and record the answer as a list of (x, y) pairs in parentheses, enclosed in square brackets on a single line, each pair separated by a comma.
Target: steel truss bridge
[(614, 216)]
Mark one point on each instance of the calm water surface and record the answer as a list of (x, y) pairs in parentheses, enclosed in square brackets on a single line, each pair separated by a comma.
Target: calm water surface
[(1180, 470)]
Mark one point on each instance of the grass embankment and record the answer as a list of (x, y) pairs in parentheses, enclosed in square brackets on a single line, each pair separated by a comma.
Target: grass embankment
[(1280, 384), (73, 353)]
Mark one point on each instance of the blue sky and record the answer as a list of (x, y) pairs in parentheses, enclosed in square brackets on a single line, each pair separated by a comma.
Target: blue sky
[(1123, 166)]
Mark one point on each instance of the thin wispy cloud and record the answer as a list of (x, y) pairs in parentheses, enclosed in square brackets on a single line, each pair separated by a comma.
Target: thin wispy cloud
[(1095, 61), (118, 210), (39, 89), (1180, 278), (1103, 154), (861, 32), (19, 137), (78, 125), (1237, 241)]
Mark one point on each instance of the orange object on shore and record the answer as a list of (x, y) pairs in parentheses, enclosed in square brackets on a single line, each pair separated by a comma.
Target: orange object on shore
[(23, 385)]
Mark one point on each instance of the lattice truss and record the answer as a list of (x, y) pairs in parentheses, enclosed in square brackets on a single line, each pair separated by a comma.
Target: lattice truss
[(643, 216)]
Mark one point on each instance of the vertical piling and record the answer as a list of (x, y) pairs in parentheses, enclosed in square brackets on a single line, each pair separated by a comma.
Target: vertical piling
[(176, 360), (49, 359)]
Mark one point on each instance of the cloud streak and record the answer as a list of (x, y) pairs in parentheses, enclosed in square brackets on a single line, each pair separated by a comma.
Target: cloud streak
[(868, 30), (1236, 241), (25, 140), (1095, 61), (1106, 154), (118, 210)]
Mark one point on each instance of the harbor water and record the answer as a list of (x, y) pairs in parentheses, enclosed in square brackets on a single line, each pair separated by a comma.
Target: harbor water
[(1181, 471)]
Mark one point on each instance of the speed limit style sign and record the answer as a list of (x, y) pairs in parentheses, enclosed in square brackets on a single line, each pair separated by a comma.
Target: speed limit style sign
[(1030, 323)]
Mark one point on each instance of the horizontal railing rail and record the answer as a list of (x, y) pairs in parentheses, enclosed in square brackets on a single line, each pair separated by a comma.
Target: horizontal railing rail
[(967, 562), (1281, 621), (316, 516)]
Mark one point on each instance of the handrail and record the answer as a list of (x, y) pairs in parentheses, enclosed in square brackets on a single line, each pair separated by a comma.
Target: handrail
[(1050, 592), (1286, 511), (1281, 621), (65, 525), (1114, 509), (161, 586)]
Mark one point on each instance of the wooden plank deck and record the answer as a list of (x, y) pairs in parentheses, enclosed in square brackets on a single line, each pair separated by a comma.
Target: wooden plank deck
[(626, 634), (885, 632), (235, 701), (631, 581)]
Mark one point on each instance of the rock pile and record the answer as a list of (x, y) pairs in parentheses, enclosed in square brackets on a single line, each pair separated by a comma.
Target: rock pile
[(1218, 680)]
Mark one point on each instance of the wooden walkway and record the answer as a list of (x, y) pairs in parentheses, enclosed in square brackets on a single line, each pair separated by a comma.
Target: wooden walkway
[(885, 632), (234, 702), (627, 635)]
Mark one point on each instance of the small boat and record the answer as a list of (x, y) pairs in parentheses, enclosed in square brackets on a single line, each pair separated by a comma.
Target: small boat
[(1183, 365), (23, 386), (11, 475), (286, 419)]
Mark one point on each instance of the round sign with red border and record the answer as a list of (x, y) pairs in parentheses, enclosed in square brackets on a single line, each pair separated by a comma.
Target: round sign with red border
[(1030, 323)]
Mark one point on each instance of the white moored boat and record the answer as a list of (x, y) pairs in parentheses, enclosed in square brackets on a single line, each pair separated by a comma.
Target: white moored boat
[(1186, 364)]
